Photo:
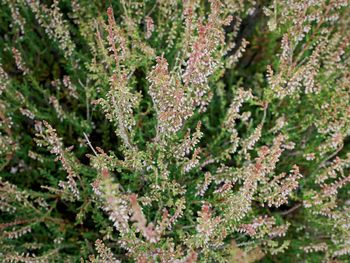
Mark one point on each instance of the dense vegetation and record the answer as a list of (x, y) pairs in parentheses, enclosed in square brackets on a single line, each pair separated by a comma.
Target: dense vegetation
[(174, 131)]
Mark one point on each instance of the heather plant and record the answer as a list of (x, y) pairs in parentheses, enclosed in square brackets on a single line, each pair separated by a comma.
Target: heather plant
[(174, 131)]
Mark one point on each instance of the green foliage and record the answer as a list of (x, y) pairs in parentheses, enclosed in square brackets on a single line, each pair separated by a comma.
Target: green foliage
[(174, 131)]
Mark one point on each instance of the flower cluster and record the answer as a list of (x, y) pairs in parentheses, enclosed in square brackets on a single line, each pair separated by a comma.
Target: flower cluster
[(51, 19), (47, 137)]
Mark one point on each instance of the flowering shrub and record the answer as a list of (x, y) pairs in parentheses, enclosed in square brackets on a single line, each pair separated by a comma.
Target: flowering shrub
[(174, 131)]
